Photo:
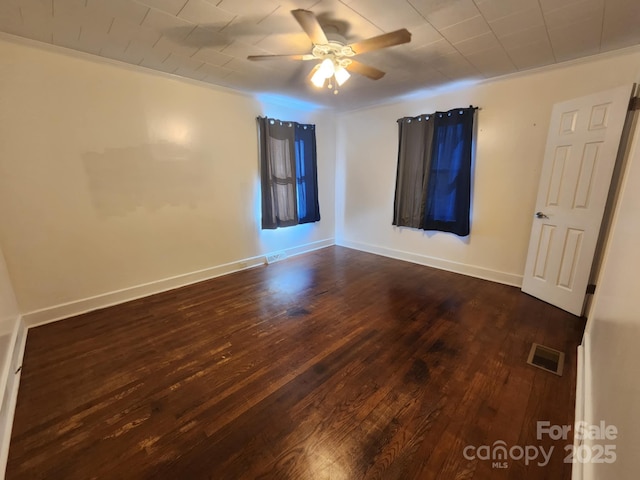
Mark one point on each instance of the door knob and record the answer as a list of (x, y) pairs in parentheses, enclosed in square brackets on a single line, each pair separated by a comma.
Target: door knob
[(541, 215)]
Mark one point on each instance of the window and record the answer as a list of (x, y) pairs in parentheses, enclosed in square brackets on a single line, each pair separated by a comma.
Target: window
[(433, 182), (288, 168)]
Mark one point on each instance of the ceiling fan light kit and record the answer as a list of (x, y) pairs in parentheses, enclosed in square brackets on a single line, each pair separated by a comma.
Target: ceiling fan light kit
[(335, 57), (328, 68)]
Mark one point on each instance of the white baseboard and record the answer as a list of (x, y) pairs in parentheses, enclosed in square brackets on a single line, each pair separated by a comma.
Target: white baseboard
[(77, 307), (308, 247), (10, 393), (448, 265)]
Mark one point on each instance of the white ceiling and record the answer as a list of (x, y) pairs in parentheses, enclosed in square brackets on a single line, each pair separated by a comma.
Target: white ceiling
[(209, 40)]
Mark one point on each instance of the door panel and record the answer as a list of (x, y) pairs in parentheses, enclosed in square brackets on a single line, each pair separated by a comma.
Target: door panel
[(582, 145), (542, 256)]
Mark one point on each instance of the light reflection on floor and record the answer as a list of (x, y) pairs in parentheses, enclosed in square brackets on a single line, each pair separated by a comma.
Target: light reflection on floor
[(289, 281)]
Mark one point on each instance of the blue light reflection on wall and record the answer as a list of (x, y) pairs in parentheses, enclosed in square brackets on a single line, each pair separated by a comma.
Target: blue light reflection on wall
[(279, 106), (431, 92)]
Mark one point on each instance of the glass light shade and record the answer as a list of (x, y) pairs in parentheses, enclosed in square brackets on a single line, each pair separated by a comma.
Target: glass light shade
[(342, 75), (327, 68), (318, 78)]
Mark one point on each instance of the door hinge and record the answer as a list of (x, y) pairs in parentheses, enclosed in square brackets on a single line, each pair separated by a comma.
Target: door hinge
[(591, 289), (634, 104)]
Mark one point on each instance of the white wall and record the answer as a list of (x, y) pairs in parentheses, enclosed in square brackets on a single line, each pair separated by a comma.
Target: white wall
[(512, 130), (612, 339), (114, 177)]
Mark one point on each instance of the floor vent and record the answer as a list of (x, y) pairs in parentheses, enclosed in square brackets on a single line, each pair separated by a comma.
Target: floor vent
[(546, 358), (276, 256)]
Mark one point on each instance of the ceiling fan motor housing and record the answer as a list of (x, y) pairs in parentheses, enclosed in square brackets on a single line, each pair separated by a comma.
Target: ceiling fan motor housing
[(335, 50)]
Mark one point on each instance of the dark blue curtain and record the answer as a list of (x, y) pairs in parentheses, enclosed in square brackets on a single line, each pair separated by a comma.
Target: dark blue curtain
[(448, 193), (307, 173)]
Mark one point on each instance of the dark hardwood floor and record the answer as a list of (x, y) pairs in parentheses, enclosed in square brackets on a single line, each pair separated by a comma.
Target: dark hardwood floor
[(336, 364)]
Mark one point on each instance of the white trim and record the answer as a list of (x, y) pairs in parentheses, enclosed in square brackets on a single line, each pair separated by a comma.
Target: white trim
[(78, 54), (584, 406), (577, 468), (425, 94), (77, 307), (10, 393), (5, 362), (307, 247), (420, 94), (91, 57), (439, 263)]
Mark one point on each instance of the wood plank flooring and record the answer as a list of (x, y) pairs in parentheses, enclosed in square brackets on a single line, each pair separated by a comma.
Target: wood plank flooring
[(336, 364)]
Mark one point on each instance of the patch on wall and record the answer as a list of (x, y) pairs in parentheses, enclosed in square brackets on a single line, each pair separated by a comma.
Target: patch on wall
[(149, 177)]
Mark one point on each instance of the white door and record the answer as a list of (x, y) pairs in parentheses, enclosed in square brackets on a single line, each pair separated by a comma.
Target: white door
[(582, 145)]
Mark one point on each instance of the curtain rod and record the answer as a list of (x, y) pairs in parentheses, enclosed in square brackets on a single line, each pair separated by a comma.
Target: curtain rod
[(429, 114)]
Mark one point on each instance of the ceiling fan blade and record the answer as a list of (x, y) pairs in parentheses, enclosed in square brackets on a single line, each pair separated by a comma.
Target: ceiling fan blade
[(382, 41), (282, 57), (313, 70), (366, 70), (311, 26)]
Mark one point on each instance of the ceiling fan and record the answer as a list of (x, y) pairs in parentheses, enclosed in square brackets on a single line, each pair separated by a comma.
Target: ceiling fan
[(335, 56)]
